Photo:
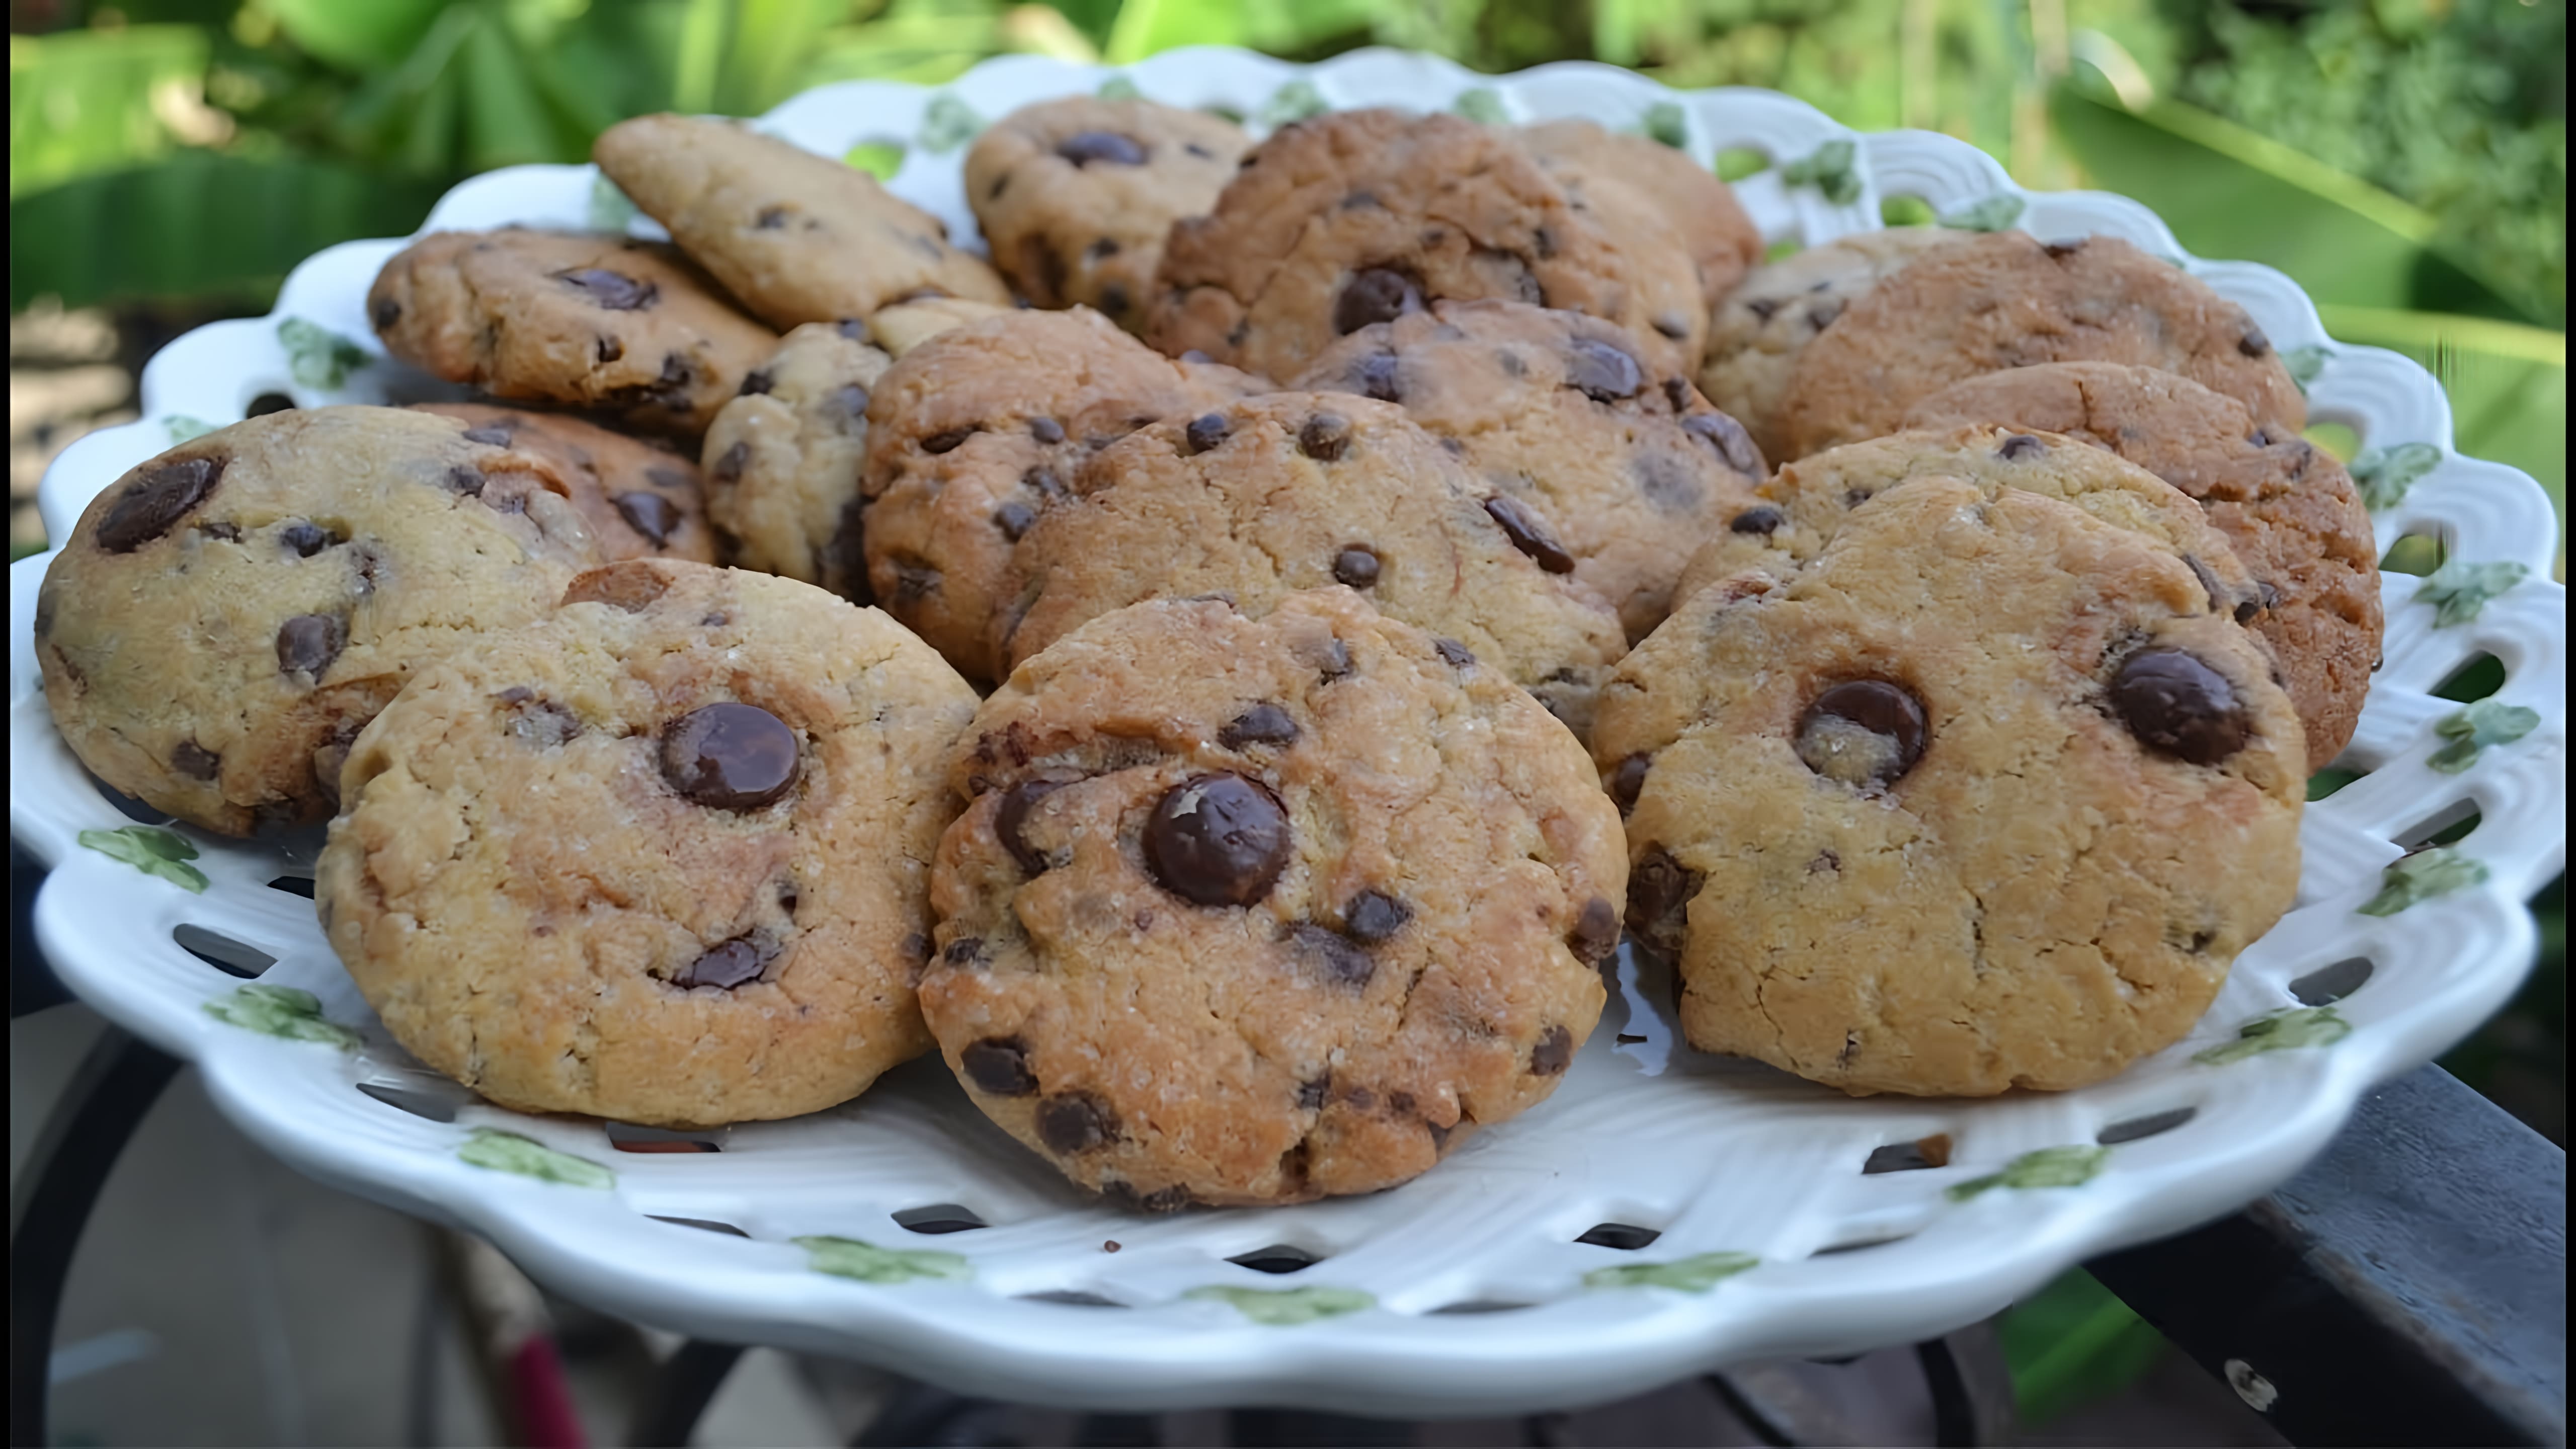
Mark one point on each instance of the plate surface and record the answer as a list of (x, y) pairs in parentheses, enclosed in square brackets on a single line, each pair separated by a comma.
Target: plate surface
[(1473, 1290)]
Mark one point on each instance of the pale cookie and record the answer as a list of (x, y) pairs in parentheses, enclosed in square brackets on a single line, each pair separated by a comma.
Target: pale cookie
[(641, 500), (906, 325), (783, 459)]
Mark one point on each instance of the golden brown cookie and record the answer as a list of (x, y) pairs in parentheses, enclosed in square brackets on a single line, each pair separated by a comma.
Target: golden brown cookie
[(641, 500), (1261, 910), (1723, 242), (664, 857), (783, 459)]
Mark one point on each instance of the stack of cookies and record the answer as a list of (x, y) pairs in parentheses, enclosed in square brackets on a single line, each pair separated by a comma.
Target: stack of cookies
[(1227, 669)]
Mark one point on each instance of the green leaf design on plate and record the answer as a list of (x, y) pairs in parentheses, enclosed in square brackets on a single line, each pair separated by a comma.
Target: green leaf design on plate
[(850, 1258), (880, 159), (1291, 103), (1831, 169), (2048, 1167), (2422, 876), (2386, 473), (2459, 589), (1224, 112), (2487, 722), (610, 208), (1287, 1307), (1996, 213), (1119, 87), (182, 427), (526, 1156), (1737, 162), (1695, 1274), (2291, 1026), (1787, 246), (282, 1011), (151, 850), (2304, 364), (1665, 122), (317, 356), (946, 124), (1480, 104), (1904, 211)]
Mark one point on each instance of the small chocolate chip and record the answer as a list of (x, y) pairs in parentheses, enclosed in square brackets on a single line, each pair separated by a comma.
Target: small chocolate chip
[(1356, 566), (728, 468), (727, 966), (2209, 583), (1628, 780), (845, 407), (1762, 519), (1510, 362), (387, 313), (1217, 840), (466, 480), (999, 1067), (1195, 355), (1330, 956), (1677, 393), (2175, 704), (305, 539), (1353, 201), (307, 643), (1821, 315), (1075, 1122), (2020, 445), (1372, 295), (1453, 653), (154, 503), (1083, 148), (730, 756), (1013, 519), (1263, 724), (1596, 932), (1043, 481), (1761, 307), (223, 530), (946, 442), (608, 349), (612, 290), (675, 479), (914, 581), (1672, 324), (1310, 1094), (1602, 372), (537, 723), (1372, 916), (1325, 437), (769, 218), (1863, 732), (2248, 610), (1375, 376), (1100, 250), (195, 761), (1046, 430), (1011, 823), (2253, 343), (756, 382), (1115, 301), (1206, 431), (1660, 890), (491, 435), (1335, 662), (1529, 533), (651, 515), (964, 951), (1555, 1050), (2064, 249)]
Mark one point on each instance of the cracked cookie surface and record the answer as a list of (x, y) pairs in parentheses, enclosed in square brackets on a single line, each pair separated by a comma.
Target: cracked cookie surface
[(663, 858), (783, 459), (641, 501), (1979, 797), (1260, 910), (226, 616)]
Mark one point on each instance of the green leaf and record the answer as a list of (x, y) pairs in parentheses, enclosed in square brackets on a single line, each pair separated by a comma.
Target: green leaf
[(2487, 722), (81, 101), (1287, 1307), (1695, 1274), (526, 1156), (1787, 246), (610, 208), (1831, 169), (1292, 103), (880, 159), (2282, 1030), (1737, 162), (318, 357), (1119, 88), (2304, 363), (151, 850), (1996, 213), (282, 1011), (850, 1258), (2386, 473), (2421, 877), (2459, 589), (356, 34), (1481, 104), (1905, 211), (946, 124), (1665, 122), (182, 427), (2047, 1167)]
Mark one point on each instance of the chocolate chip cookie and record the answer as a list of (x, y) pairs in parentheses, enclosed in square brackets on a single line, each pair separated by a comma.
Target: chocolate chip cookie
[(663, 857), (2288, 507), (1723, 242), (1558, 410), (973, 434), (798, 237), (226, 617), (642, 501), (1261, 910), (2008, 300), (1289, 491), (1075, 195), (783, 459), (626, 328), (1362, 216), (1980, 797), (1759, 331)]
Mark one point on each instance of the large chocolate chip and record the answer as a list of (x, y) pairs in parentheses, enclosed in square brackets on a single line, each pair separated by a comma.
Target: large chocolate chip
[(1356, 566), (1217, 840), (1863, 732), (946, 442), (1325, 438), (1075, 1122), (651, 515), (1011, 820), (1554, 1052), (1372, 295), (1529, 533), (729, 756), (2020, 445), (1263, 724), (1206, 431), (307, 643), (1628, 781), (1660, 889), (726, 966), (1762, 519), (1602, 372), (1086, 147), (155, 502), (1046, 430), (999, 1067), (1596, 932), (756, 382), (305, 538), (1373, 916), (1727, 436), (195, 761), (1454, 654), (1375, 376), (468, 481), (2177, 705), (1013, 519), (1331, 956), (612, 290)]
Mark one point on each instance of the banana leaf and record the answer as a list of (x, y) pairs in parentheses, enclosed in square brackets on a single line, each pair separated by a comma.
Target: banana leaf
[(81, 101)]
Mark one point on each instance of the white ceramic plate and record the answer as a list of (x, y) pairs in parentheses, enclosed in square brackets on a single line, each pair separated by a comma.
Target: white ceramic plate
[(1716, 1158)]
